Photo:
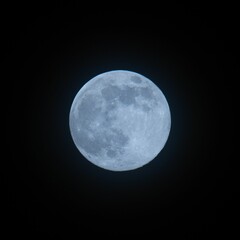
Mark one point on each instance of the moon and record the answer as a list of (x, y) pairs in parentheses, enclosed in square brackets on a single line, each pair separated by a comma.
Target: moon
[(120, 120)]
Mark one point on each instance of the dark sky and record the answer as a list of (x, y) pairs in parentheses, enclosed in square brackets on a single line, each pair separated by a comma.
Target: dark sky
[(188, 190)]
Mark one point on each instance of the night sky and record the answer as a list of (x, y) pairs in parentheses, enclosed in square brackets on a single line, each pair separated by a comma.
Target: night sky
[(187, 191)]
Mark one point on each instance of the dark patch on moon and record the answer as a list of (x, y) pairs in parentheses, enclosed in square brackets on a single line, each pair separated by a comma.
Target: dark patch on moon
[(111, 153), (136, 79), (116, 137), (146, 92), (92, 146), (112, 138), (87, 111), (127, 96), (145, 107), (102, 140), (109, 93), (108, 117)]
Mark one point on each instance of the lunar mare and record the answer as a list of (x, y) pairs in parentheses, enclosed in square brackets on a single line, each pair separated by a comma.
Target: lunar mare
[(120, 120)]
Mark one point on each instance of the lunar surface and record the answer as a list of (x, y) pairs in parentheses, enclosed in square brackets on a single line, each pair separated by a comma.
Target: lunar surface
[(120, 120)]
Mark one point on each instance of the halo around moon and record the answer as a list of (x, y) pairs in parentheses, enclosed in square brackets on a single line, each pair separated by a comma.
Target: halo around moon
[(120, 120)]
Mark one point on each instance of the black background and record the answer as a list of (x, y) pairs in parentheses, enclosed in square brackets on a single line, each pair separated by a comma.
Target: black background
[(188, 190)]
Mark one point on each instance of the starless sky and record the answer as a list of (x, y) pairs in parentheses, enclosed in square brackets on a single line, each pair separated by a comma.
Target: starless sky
[(51, 187)]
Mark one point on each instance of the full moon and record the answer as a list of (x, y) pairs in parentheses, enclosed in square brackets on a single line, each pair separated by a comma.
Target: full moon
[(120, 120)]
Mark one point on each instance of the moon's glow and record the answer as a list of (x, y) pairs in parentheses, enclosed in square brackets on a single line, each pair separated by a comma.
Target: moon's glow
[(120, 120)]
